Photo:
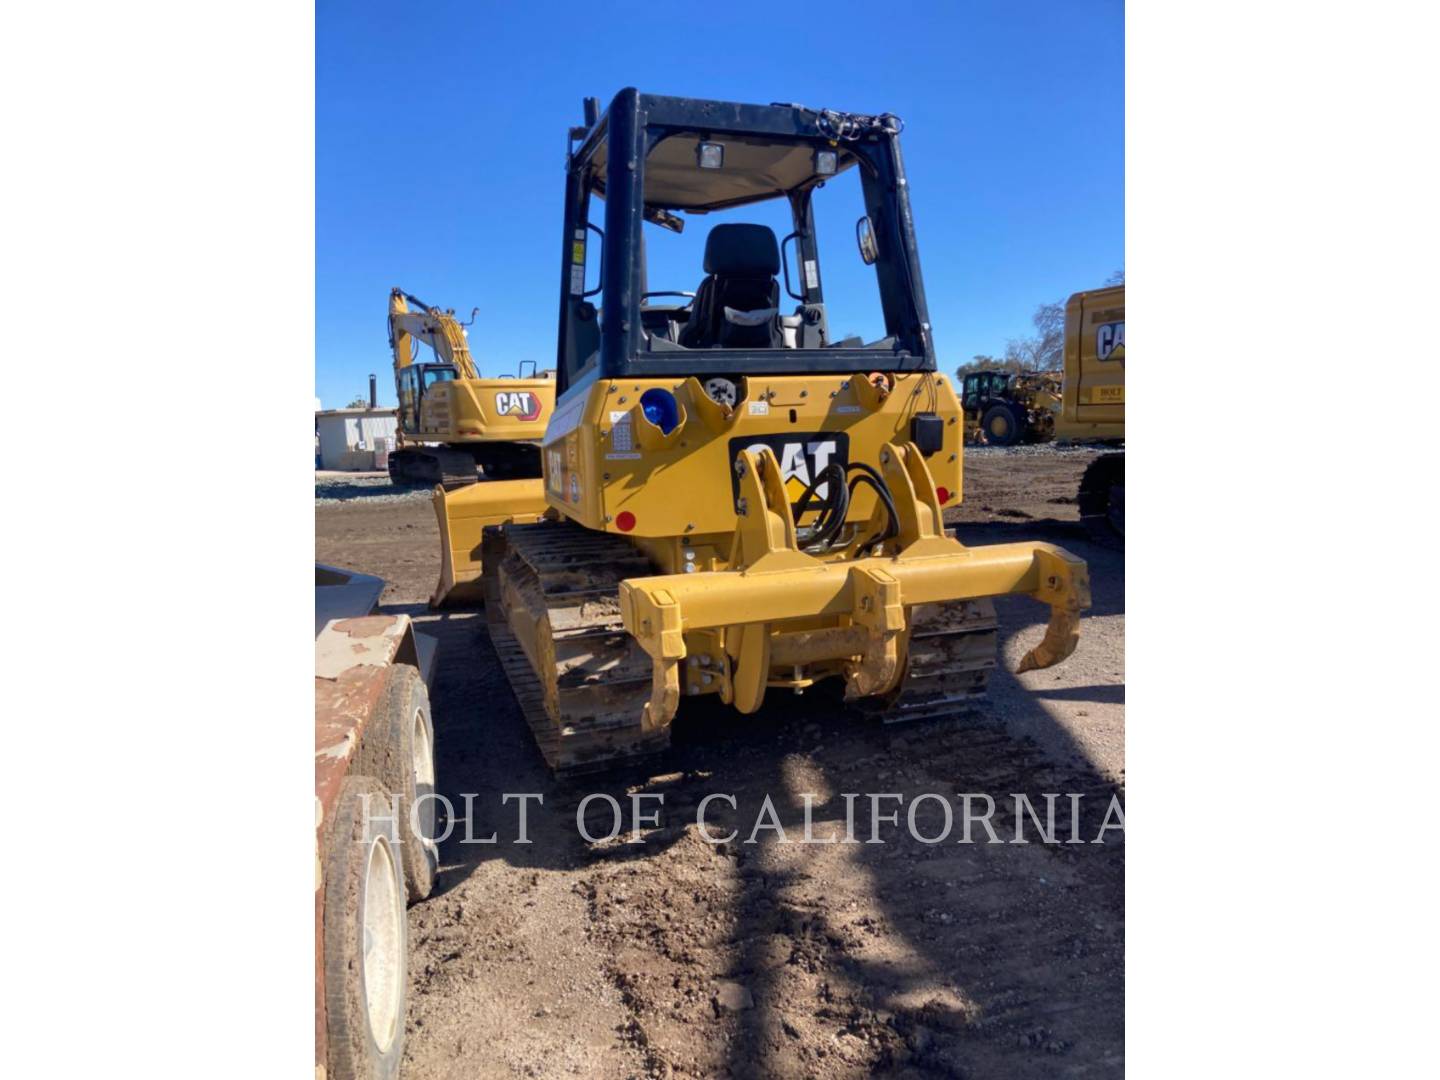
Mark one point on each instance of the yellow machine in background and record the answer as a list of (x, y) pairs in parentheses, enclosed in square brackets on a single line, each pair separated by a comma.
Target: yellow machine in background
[(733, 503), (1003, 408), (1092, 404), (451, 422)]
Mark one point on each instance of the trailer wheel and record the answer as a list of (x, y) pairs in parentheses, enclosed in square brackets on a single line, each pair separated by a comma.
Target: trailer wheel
[(364, 938), (1002, 427), (399, 751)]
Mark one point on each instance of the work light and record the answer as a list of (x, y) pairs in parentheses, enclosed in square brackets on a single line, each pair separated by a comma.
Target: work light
[(711, 155), (661, 409), (826, 162)]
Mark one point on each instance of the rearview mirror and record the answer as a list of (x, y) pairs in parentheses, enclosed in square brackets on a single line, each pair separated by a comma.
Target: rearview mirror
[(865, 240)]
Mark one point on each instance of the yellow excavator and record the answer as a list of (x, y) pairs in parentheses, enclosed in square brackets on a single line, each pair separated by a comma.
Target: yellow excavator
[(452, 426), (735, 503), (1092, 405)]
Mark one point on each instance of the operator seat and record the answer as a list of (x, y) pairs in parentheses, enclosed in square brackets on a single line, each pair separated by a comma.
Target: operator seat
[(738, 305)]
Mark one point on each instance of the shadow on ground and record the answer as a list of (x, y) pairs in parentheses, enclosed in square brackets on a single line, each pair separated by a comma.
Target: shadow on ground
[(780, 958)]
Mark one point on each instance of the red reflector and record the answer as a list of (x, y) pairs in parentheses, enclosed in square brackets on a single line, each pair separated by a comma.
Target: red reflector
[(943, 494), (625, 521)]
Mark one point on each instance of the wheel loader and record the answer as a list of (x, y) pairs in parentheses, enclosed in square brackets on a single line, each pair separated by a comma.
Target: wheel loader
[(452, 425), (1092, 405), (734, 503), (1003, 408)]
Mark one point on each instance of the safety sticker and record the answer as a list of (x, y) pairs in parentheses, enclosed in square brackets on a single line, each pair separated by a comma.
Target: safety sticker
[(622, 433), (759, 408), (812, 274), (557, 462)]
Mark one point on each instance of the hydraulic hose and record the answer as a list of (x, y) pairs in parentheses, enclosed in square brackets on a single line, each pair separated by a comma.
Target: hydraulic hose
[(833, 508), (870, 475)]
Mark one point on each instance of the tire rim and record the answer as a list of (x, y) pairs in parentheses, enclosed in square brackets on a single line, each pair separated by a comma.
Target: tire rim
[(999, 427), (423, 764), (384, 960)]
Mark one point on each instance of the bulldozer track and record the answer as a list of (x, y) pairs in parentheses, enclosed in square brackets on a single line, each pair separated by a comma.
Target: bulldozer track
[(951, 654), (580, 679)]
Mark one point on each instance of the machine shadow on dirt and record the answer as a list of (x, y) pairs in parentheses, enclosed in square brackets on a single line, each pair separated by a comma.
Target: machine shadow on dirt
[(1000, 942)]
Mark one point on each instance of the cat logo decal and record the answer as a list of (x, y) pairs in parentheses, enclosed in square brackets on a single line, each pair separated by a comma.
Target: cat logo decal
[(1110, 341), (801, 458), (521, 404)]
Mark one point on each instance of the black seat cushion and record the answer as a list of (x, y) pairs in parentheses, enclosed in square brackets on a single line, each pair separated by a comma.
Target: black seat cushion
[(742, 261)]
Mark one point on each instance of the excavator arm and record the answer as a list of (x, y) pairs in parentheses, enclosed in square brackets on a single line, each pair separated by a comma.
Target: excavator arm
[(450, 421), (434, 326)]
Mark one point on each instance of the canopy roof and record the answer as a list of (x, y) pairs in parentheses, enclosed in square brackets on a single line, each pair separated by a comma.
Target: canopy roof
[(754, 169)]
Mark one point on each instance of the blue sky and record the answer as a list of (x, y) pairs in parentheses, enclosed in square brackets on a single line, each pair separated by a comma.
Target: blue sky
[(440, 140)]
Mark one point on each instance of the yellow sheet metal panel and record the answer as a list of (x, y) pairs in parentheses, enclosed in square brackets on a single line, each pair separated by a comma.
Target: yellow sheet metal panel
[(468, 410), (608, 468), (1093, 401)]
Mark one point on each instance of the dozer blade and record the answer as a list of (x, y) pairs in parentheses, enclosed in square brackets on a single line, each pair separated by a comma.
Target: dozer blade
[(463, 515)]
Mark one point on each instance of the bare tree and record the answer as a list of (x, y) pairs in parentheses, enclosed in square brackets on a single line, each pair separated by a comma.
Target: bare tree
[(1045, 350)]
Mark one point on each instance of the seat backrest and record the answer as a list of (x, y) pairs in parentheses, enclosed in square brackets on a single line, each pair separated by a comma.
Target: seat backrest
[(738, 305)]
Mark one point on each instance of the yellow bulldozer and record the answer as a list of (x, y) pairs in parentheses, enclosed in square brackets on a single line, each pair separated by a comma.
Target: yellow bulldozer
[(452, 426), (734, 503), (1092, 405)]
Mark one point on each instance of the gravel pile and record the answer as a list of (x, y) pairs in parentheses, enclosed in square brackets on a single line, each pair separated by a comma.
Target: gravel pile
[(368, 489), (1049, 449)]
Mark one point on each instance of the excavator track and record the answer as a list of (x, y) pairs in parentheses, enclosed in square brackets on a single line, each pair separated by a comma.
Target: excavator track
[(953, 649), (552, 601), (1102, 500), (430, 465)]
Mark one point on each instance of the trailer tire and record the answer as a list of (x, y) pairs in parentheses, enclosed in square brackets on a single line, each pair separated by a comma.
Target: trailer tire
[(364, 938), (1002, 426), (398, 749)]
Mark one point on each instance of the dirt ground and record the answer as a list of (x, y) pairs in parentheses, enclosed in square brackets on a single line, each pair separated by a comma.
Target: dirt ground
[(678, 957)]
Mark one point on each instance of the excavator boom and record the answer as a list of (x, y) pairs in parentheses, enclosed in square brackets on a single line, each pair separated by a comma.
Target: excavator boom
[(432, 326), (453, 425)]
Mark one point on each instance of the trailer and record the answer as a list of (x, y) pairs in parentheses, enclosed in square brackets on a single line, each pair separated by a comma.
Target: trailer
[(374, 771)]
